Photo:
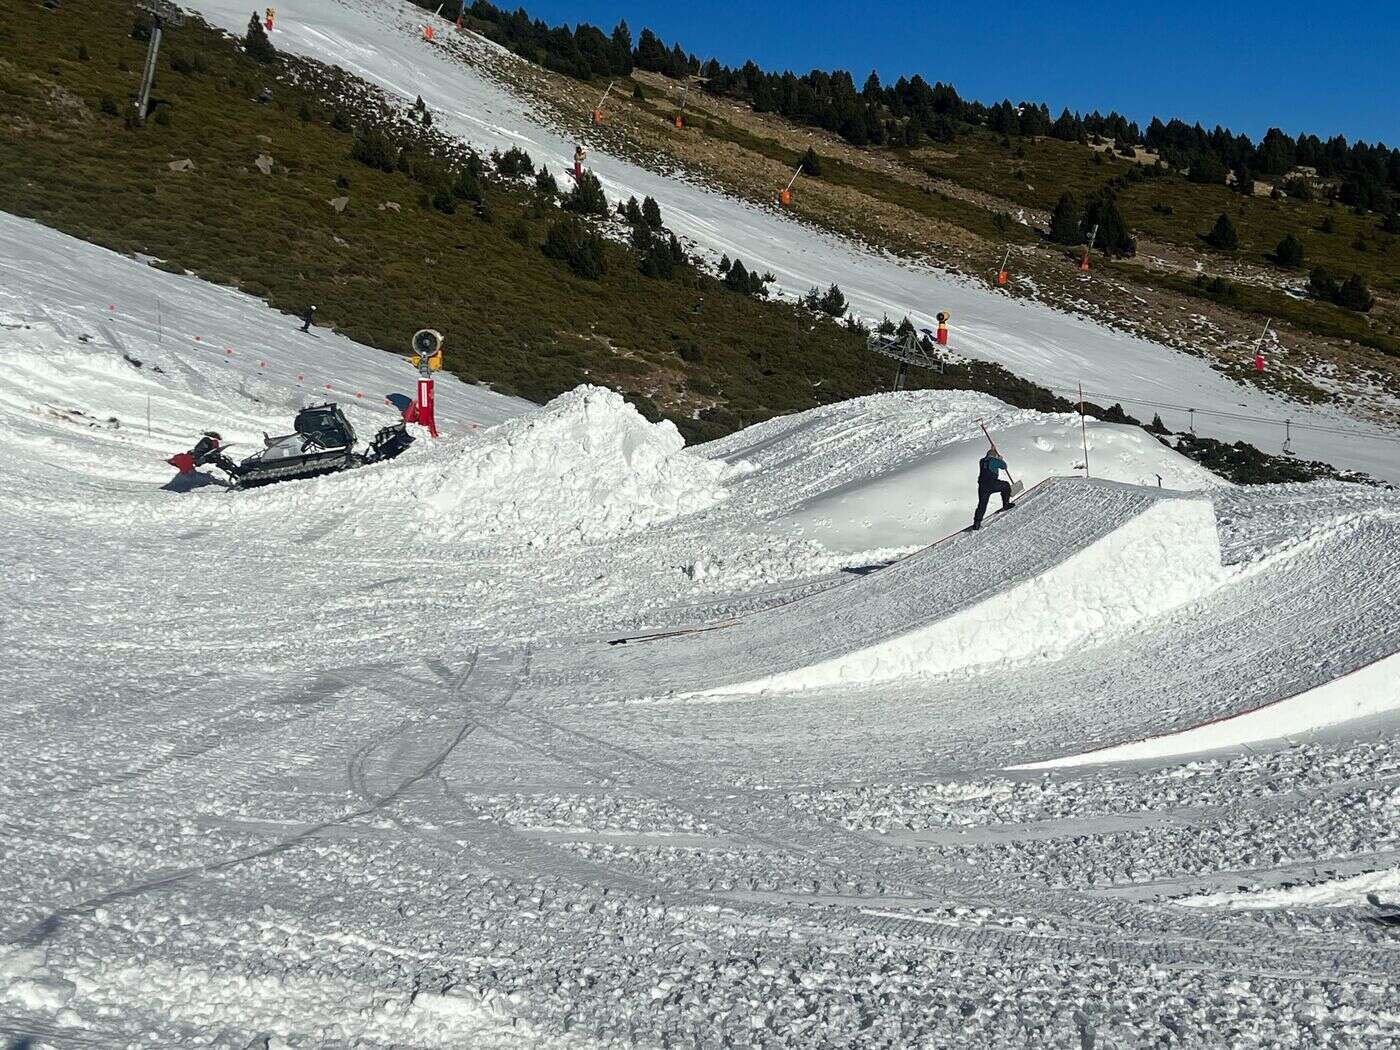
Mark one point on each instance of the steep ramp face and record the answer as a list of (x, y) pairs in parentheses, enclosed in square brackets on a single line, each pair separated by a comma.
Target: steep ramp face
[(1074, 562), (1077, 562)]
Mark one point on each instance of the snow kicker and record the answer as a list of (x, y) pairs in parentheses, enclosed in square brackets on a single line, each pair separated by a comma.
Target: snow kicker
[(1075, 562)]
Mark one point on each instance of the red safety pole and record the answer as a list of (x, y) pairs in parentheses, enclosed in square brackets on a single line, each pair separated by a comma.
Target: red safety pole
[(1259, 347)]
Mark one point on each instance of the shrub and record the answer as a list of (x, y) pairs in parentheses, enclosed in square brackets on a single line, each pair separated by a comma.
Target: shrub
[(587, 196), (466, 186), (1223, 234), (373, 148), (637, 93), (339, 121), (180, 64), (163, 116), (1217, 288), (520, 231), (304, 113), (571, 242), (514, 161), (1298, 188), (1289, 252), (83, 55), (740, 279), (1355, 295), (1322, 284), (657, 259), (811, 163), (108, 104), (545, 184)]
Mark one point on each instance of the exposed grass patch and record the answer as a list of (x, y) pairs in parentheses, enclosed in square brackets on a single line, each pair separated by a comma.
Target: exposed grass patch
[(712, 359)]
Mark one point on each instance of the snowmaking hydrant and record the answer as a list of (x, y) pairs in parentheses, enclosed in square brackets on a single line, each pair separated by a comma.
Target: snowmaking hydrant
[(427, 357)]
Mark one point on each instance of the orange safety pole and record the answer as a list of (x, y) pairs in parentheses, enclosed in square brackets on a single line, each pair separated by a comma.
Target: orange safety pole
[(598, 109), (785, 194), (1001, 272)]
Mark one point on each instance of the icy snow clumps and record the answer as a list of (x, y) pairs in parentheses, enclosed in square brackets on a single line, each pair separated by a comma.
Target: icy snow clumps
[(586, 466)]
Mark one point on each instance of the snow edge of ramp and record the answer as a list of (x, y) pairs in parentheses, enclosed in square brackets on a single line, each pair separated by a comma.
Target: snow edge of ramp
[(1370, 690), (1164, 557)]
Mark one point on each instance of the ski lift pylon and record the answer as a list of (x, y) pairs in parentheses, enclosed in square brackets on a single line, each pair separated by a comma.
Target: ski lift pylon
[(909, 351)]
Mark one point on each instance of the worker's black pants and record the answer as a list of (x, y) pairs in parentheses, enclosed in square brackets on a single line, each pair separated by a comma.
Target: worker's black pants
[(984, 493)]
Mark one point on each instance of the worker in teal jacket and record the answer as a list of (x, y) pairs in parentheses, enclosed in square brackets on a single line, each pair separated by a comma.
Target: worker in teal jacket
[(989, 481)]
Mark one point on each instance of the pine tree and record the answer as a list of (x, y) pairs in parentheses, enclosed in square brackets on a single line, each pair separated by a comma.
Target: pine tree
[(571, 242), (1065, 219), (811, 163), (545, 184), (621, 42), (736, 277), (1289, 252), (1114, 237), (833, 302), (587, 196), (651, 213), (1223, 234), (256, 43), (1206, 169)]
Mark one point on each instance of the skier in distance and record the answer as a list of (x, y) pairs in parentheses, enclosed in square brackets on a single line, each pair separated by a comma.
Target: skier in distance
[(989, 481), (307, 318)]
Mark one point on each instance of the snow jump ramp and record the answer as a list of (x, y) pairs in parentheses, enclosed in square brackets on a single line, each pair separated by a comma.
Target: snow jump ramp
[(1076, 561)]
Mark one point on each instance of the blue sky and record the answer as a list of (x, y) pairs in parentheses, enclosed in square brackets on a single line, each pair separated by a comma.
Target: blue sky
[(1243, 64)]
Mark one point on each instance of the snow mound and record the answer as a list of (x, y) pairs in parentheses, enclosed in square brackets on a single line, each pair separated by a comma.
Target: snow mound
[(586, 466), (1093, 589)]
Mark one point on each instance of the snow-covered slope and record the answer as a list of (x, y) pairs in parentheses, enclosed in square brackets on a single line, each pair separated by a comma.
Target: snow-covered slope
[(353, 761), (382, 42), (99, 339)]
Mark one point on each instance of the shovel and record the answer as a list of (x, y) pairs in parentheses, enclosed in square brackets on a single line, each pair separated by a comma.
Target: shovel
[(1016, 487)]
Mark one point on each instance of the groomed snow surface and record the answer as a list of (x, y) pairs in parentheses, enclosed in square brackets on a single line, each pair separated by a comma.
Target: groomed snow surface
[(554, 732)]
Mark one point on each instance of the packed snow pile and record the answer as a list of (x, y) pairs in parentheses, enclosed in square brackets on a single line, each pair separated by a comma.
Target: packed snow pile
[(587, 465)]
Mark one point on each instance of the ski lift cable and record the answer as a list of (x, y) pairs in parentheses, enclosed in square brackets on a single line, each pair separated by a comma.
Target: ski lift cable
[(1220, 414)]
